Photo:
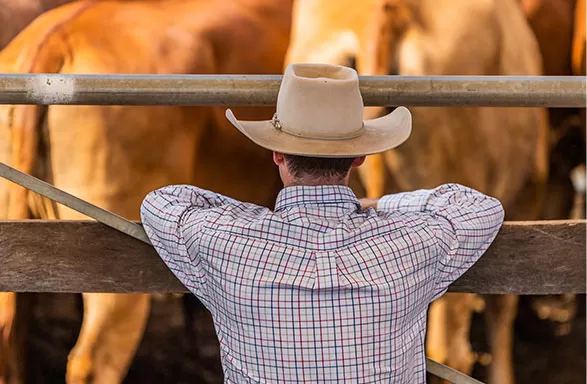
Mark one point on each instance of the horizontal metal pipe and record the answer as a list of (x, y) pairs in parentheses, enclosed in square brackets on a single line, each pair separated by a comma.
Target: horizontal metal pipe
[(261, 90)]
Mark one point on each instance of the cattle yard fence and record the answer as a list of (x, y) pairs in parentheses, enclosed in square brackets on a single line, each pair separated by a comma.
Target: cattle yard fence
[(261, 90), (527, 258)]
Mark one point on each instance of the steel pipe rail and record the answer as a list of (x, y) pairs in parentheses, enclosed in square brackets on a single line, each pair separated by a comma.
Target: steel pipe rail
[(261, 90)]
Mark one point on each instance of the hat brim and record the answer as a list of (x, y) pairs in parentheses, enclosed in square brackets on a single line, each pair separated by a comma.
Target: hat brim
[(380, 135)]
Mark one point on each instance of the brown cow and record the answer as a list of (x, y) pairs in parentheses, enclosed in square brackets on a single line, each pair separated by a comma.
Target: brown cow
[(559, 26), (552, 23), (579, 39), (113, 156), (500, 151), (15, 15)]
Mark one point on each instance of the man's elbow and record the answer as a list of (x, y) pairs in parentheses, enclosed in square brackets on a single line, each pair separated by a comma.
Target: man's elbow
[(497, 209), (147, 207), (494, 214)]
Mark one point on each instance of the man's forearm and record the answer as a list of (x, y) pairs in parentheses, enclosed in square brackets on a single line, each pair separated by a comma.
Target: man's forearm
[(432, 200), (369, 203), (452, 201)]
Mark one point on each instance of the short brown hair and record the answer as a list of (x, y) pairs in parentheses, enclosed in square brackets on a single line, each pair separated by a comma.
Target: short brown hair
[(318, 166)]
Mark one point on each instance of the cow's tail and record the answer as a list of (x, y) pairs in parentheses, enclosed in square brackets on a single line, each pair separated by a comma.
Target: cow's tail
[(39, 48), (579, 37)]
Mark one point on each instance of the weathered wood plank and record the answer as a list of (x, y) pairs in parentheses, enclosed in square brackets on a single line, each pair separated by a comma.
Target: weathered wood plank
[(83, 256)]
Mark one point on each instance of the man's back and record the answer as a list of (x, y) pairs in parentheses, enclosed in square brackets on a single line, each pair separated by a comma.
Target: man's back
[(319, 290)]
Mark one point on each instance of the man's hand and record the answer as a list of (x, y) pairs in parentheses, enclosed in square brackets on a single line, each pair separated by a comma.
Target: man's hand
[(369, 203)]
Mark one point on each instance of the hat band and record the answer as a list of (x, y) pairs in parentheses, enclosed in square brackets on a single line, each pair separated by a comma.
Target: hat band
[(279, 126)]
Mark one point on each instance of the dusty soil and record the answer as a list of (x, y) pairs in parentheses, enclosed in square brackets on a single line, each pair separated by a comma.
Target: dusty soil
[(178, 348)]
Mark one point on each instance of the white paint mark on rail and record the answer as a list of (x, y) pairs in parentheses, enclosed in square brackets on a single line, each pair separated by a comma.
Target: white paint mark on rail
[(54, 89)]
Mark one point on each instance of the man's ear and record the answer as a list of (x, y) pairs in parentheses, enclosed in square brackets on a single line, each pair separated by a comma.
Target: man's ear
[(278, 158), (358, 162)]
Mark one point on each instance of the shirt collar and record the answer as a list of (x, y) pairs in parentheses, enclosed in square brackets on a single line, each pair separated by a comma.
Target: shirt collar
[(303, 195)]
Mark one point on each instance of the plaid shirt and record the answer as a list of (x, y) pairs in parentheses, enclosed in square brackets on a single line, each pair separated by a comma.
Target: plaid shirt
[(319, 290)]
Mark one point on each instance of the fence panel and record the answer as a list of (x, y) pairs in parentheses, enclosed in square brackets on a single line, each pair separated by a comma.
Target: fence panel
[(84, 256)]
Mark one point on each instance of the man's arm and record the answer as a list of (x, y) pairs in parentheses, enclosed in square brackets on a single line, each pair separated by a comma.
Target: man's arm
[(172, 217), (464, 220)]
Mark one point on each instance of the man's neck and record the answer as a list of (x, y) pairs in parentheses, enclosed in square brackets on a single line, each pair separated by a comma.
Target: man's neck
[(313, 182)]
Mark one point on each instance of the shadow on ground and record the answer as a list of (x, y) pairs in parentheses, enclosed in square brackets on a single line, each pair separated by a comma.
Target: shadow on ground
[(180, 347)]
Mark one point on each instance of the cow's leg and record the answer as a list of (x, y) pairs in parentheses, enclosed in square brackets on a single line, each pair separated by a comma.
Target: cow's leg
[(566, 309), (500, 314), (578, 177), (436, 343), (460, 307), (206, 344), (8, 362), (449, 324), (111, 331), (562, 309)]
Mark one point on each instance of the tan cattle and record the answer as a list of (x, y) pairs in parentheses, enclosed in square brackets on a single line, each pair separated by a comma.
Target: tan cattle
[(500, 151), (113, 156)]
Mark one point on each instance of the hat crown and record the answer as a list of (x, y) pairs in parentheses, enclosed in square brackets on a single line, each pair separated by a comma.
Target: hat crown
[(320, 113), (320, 101)]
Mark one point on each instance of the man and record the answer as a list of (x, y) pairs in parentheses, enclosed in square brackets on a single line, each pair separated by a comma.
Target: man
[(320, 290)]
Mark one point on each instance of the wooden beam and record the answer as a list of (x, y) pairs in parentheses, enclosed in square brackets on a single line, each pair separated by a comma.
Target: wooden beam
[(84, 256)]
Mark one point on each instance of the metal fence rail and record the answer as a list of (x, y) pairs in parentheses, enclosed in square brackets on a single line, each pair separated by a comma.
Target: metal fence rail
[(261, 90)]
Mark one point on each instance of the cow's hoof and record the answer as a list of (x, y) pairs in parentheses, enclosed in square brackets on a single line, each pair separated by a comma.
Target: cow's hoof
[(80, 369)]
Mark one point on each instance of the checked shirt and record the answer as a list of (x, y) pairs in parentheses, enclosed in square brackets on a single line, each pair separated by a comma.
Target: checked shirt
[(318, 290)]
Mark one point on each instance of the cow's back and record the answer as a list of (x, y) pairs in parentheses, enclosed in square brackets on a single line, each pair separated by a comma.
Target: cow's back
[(329, 31)]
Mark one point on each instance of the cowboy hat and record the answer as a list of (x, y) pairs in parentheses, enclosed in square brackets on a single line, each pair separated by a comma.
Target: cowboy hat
[(320, 113)]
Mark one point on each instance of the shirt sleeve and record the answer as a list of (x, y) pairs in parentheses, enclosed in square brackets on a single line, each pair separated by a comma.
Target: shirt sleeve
[(172, 217), (464, 220)]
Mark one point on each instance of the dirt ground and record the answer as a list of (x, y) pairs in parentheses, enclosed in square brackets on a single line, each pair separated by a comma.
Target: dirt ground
[(180, 349)]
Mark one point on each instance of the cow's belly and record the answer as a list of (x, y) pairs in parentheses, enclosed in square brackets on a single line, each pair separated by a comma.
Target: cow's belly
[(114, 156), (490, 149)]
